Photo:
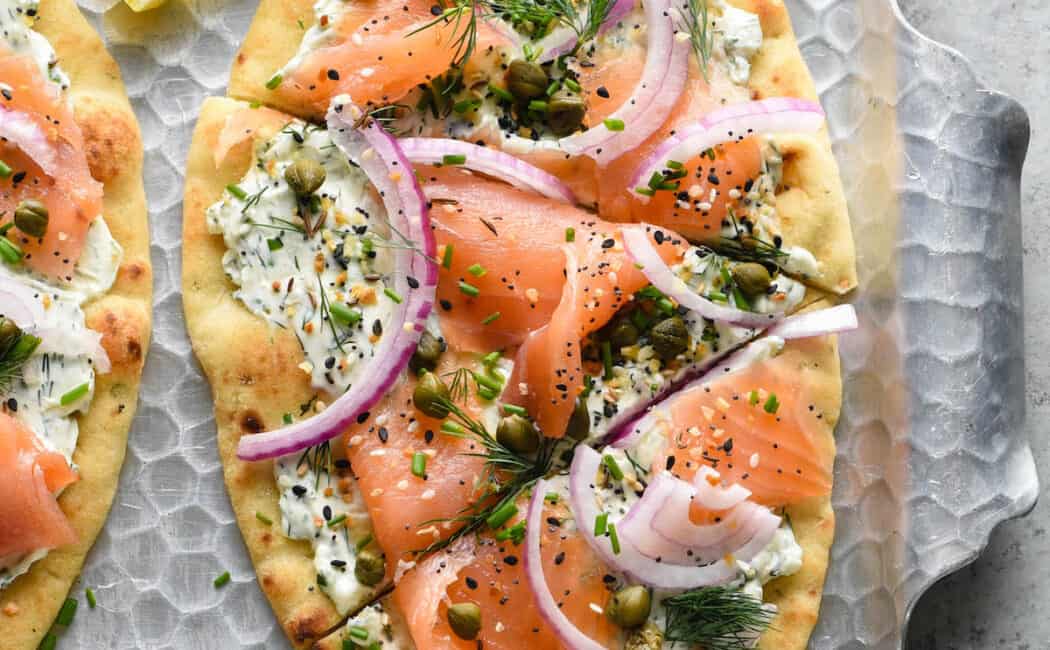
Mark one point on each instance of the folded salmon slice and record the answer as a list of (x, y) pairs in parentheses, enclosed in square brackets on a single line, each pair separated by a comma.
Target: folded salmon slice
[(30, 475)]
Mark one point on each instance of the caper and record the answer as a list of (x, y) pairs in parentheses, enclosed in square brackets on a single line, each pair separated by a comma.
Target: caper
[(670, 337), (580, 421), (427, 354), (369, 568), (624, 333), (517, 434), (629, 607), (565, 112), (431, 395), (647, 637), (465, 620), (9, 331), (31, 217), (526, 80), (752, 278), (305, 176)]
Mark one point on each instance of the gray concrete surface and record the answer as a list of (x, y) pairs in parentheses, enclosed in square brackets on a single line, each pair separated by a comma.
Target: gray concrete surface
[(1003, 600)]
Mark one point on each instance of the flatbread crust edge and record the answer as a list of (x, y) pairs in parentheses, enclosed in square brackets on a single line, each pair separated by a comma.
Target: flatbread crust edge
[(255, 379), (114, 152)]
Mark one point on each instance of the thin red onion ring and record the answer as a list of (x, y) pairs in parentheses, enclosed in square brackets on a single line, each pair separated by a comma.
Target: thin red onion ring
[(630, 560), (833, 320), (493, 162), (560, 624), (21, 130), (377, 154), (717, 497), (732, 123), (636, 243)]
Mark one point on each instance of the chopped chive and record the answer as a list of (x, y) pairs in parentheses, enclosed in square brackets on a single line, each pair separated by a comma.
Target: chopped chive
[(345, 315), (492, 358), (656, 181), (237, 191), (67, 613), (515, 533), (263, 518), (5, 169), (446, 257), (538, 105), (358, 632), (48, 642), (607, 361), (588, 386), (487, 394), (613, 124), (466, 105), (287, 418), (222, 580), (570, 234), (502, 515), (90, 594), (501, 93), (491, 318), (453, 159), (613, 467), (665, 305), (255, 104), (451, 427), (771, 404), (601, 523), (674, 164), (393, 295), (645, 191), (469, 289), (487, 382), (512, 409), (363, 542), (710, 153), (476, 270), (752, 398), (274, 244), (572, 85), (336, 521), (419, 464), (552, 497), (75, 394), (553, 88), (9, 252), (640, 319), (274, 82), (614, 539), (740, 300), (717, 296)]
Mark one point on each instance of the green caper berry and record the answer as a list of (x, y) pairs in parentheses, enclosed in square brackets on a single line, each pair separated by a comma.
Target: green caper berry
[(647, 637), (369, 568), (526, 80), (580, 421), (565, 112), (752, 278), (465, 620), (305, 176), (623, 334), (427, 354), (517, 434), (431, 395), (670, 337), (630, 606), (31, 217)]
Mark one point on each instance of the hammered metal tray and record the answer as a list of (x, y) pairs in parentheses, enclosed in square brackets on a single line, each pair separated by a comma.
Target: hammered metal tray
[(931, 450)]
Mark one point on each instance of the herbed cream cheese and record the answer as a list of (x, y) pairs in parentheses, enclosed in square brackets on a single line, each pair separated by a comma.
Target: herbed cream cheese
[(16, 21)]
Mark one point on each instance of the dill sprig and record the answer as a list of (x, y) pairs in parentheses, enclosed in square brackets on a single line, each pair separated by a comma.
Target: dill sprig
[(326, 315), (701, 35), (15, 349), (318, 459), (748, 249), (463, 17), (715, 618)]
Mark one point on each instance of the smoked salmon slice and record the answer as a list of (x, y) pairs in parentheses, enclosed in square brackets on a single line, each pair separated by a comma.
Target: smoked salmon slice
[(30, 474)]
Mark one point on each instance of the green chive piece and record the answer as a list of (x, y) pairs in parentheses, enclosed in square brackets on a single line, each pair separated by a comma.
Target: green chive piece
[(476, 270), (570, 234), (502, 515), (453, 159), (601, 523), (9, 253), (613, 124), (48, 642), (771, 404), (515, 533), (222, 580), (613, 467), (487, 382), (674, 164), (393, 295), (466, 105), (90, 594), (491, 318), (419, 464), (67, 613), (512, 409), (741, 300), (255, 104), (640, 319), (237, 191), (345, 315), (614, 539), (717, 296), (469, 289), (287, 418), (75, 394), (492, 358), (752, 398), (538, 105), (5, 169), (349, 645), (502, 93), (451, 427), (274, 82), (446, 258), (358, 632), (572, 85), (363, 542), (336, 521), (263, 518), (274, 244), (665, 305), (552, 497), (645, 191), (607, 361), (487, 394), (553, 88)]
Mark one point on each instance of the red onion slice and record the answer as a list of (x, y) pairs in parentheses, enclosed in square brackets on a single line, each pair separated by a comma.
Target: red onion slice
[(630, 560), (21, 130), (562, 39), (833, 320), (560, 624), (20, 303), (636, 243), (371, 148), (713, 495), (732, 123), (493, 162)]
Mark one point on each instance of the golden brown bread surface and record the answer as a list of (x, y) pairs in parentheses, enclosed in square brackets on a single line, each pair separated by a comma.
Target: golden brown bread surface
[(114, 153)]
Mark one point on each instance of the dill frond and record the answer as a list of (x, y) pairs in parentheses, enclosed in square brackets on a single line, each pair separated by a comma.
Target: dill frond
[(715, 618)]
